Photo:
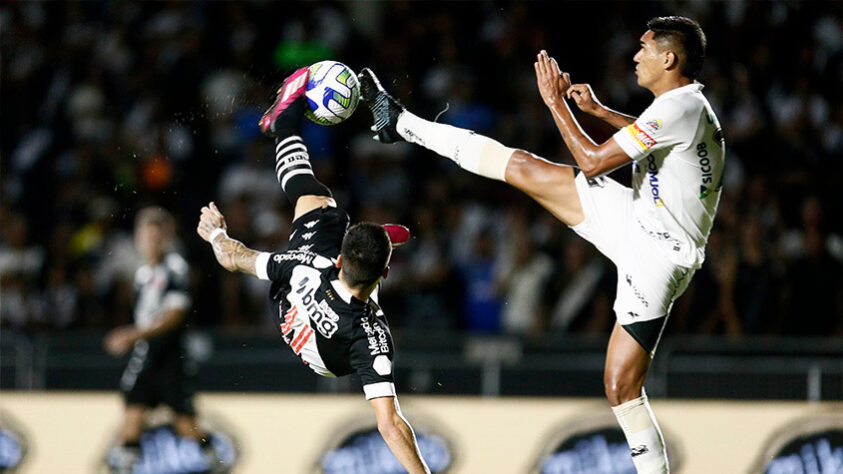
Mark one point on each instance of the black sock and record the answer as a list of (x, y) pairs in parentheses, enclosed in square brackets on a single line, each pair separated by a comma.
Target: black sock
[(289, 122)]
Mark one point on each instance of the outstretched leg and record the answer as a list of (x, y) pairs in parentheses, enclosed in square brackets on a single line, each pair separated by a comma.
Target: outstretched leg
[(282, 121), (550, 184)]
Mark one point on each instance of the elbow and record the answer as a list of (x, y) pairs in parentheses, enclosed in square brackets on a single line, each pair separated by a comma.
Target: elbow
[(590, 172)]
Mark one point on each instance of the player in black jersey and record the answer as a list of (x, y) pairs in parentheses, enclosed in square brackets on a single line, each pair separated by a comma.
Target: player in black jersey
[(158, 371), (325, 285)]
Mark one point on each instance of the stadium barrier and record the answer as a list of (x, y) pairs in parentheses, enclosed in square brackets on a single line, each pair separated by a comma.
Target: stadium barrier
[(71, 431)]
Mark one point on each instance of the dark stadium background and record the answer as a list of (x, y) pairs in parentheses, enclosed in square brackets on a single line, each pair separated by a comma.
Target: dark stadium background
[(111, 106)]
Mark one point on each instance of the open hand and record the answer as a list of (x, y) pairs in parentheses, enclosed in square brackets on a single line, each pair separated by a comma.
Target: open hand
[(210, 220), (553, 84)]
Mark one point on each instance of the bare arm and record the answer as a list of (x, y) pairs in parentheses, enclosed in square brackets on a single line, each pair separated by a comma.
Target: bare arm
[(230, 253), (121, 339), (593, 159), (584, 97), (398, 434)]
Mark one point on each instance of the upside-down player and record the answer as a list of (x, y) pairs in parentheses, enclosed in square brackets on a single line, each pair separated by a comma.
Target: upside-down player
[(654, 232), (325, 284)]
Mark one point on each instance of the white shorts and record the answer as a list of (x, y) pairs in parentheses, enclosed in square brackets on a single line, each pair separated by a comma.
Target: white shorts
[(648, 282)]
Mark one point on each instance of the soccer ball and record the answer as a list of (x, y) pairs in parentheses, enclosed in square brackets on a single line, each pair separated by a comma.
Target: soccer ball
[(332, 92)]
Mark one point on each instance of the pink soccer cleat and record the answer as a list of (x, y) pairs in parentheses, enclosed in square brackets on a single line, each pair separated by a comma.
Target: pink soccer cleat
[(293, 87)]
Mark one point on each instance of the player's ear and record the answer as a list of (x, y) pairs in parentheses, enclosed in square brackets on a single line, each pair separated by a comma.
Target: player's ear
[(339, 261), (671, 60)]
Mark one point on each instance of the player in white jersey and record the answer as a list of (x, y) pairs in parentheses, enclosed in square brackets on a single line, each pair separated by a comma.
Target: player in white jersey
[(655, 232)]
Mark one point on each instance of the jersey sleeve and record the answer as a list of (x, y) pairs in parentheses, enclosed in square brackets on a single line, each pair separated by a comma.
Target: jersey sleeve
[(371, 359), (659, 127), (279, 266)]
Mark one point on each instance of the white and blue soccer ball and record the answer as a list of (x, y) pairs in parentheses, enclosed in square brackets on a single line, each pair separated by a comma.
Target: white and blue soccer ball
[(332, 92)]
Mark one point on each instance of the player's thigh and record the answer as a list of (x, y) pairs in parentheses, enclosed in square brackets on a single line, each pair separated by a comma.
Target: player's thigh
[(308, 203), (550, 184)]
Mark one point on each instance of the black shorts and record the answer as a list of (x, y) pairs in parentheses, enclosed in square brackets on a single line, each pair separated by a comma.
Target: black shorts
[(153, 381), (320, 231)]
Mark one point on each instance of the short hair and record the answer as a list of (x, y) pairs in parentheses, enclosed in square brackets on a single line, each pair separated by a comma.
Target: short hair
[(365, 253), (683, 33), (158, 216)]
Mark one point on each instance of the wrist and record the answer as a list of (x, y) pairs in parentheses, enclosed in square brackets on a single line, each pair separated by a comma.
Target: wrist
[(216, 233)]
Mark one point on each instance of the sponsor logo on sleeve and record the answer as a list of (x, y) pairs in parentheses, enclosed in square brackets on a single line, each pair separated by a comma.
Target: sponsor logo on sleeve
[(376, 336), (295, 256), (641, 137)]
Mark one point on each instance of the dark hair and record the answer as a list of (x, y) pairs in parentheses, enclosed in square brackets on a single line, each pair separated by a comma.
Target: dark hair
[(365, 253), (683, 33)]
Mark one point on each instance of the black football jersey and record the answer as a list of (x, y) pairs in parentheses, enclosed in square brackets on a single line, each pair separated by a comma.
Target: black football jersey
[(333, 332)]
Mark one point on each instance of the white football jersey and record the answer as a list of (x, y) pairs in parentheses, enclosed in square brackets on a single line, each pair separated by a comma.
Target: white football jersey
[(678, 149)]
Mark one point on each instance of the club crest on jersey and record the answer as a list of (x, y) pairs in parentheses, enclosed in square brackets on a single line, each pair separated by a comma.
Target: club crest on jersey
[(641, 137), (654, 124)]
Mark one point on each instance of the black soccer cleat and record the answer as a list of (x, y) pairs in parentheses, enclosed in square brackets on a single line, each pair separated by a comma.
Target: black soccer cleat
[(385, 108)]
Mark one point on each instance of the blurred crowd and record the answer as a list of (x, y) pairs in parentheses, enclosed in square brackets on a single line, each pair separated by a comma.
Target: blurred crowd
[(111, 106)]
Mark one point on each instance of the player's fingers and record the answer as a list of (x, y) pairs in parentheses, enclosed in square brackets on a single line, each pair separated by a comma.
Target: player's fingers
[(542, 62), (554, 66)]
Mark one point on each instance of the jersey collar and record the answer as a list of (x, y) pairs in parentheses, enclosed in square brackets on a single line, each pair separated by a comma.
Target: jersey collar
[(342, 291), (692, 87)]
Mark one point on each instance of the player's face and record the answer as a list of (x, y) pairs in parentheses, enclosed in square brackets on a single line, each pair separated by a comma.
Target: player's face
[(150, 240), (649, 61)]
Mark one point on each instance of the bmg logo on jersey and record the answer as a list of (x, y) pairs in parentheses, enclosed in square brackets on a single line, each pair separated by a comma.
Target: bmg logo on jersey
[(324, 317)]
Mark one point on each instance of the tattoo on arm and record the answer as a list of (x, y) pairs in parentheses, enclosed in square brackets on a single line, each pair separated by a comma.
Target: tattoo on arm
[(234, 256)]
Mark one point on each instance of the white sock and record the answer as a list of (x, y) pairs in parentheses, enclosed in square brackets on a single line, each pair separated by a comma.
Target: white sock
[(475, 153), (643, 435)]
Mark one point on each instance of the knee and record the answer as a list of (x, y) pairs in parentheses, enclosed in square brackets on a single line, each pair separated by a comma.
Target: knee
[(621, 386), (520, 168)]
